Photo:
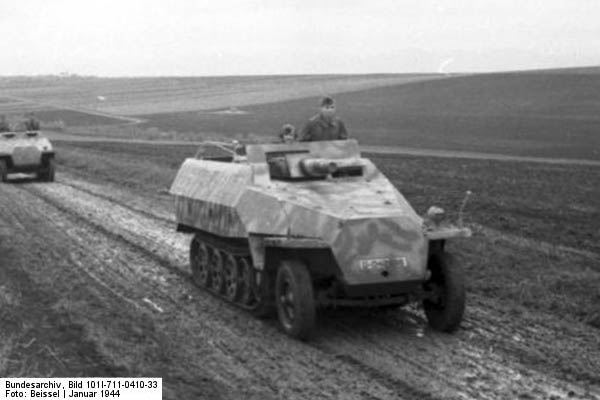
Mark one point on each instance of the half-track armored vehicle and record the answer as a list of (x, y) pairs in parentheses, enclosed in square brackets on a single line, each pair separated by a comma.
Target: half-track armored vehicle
[(297, 226), (26, 152)]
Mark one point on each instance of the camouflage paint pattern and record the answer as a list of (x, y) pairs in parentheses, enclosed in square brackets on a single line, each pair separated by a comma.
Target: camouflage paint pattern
[(373, 232), (25, 149), (207, 194)]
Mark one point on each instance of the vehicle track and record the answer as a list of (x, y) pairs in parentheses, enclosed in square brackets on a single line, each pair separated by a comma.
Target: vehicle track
[(173, 266), (377, 375), (449, 366), (505, 328), (391, 357), (383, 358), (117, 197), (248, 351)]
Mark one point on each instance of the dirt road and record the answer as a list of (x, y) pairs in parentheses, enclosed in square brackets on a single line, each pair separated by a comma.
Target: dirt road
[(111, 264), (58, 136)]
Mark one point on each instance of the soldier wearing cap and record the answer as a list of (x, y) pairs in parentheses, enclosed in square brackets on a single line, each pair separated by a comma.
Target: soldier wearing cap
[(325, 125), (32, 123), (288, 134)]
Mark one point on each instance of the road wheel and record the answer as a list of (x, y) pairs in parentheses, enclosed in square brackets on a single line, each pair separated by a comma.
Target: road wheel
[(199, 263), (261, 303), (3, 171), (445, 306), (255, 293), (245, 279), (216, 268), (295, 300), (232, 279)]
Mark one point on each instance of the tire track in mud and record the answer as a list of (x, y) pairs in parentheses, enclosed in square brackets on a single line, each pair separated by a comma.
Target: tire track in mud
[(95, 191), (46, 198), (399, 386), (449, 365), (79, 248), (541, 343), (287, 373), (376, 351), (487, 325), (107, 275), (69, 262)]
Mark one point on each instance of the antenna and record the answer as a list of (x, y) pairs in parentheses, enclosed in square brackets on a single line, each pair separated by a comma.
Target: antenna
[(468, 194)]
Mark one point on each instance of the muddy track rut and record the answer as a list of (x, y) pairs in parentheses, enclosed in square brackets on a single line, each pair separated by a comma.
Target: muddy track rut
[(127, 247)]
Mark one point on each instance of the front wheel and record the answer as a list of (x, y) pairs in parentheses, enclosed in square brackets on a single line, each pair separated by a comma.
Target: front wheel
[(445, 304), (50, 170), (295, 301), (47, 174), (3, 171)]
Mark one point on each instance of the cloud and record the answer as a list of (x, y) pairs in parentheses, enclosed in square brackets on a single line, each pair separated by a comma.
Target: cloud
[(182, 37)]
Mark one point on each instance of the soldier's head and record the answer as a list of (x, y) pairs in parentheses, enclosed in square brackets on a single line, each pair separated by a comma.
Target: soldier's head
[(288, 133), (327, 107)]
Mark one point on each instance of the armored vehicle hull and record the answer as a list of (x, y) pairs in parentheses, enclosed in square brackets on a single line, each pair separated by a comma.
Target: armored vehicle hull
[(302, 225), (26, 152)]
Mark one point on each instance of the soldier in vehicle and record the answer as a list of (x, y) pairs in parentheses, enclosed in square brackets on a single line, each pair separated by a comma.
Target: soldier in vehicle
[(4, 126), (278, 166), (325, 125), (32, 123), (288, 134)]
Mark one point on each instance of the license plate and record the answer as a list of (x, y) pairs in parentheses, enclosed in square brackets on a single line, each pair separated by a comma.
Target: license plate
[(381, 264)]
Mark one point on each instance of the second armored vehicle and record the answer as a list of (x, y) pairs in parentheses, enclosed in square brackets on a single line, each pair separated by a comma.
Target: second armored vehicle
[(26, 152), (302, 225)]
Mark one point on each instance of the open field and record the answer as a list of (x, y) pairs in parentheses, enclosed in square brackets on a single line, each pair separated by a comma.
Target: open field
[(106, 228), (100, 244), (545, 114), (551, 113), (130, 96), (51, 117)]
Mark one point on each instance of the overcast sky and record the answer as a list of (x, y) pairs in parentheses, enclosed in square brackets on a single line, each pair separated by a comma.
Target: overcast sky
[(230, 37)]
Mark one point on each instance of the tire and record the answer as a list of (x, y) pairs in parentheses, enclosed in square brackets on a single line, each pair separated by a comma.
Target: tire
[(445, 309), (51, 168), (3, 171), (294, 297), (47, 174)]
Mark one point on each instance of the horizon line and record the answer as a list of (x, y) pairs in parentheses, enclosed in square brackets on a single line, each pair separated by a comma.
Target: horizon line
[(76, 75)]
